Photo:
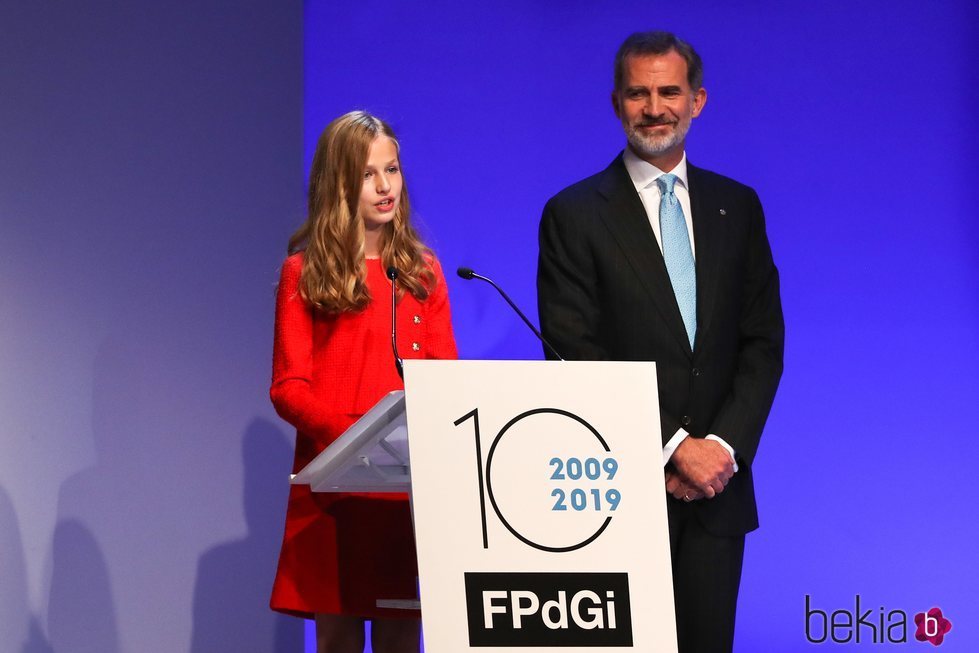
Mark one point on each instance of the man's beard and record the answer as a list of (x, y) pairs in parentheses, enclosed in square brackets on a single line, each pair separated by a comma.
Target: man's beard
[(649, 146)]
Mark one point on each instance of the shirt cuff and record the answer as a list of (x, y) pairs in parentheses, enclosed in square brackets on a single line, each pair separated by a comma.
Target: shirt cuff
[(726, 446), (671, 446)]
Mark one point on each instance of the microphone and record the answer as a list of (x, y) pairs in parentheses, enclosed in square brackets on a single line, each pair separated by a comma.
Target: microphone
[(398, 363), (467, 273)]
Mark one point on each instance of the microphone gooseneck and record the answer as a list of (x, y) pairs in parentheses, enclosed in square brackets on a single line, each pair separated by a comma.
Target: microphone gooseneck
[(468, 273), (392, 273)]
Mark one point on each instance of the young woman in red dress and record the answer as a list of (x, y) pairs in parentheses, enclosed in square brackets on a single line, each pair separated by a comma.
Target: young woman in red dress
[(332, 361)]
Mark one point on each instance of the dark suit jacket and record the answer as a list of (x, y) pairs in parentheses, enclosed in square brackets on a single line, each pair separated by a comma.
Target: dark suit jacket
[(604, 294)]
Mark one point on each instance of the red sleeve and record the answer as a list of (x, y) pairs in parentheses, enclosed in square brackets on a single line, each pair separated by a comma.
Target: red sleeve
[(292, 363), (442, 341)]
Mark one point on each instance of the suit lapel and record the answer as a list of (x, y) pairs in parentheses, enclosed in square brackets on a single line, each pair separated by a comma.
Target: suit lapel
[(626, 219), (706, 212)]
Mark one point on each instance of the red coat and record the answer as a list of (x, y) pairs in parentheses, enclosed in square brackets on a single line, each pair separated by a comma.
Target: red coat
[(342, 552)]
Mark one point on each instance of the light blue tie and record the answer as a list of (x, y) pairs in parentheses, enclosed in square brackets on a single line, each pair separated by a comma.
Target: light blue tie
[(678, 254)]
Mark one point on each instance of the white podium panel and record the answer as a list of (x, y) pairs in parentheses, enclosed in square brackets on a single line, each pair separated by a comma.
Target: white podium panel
[(539, 506)]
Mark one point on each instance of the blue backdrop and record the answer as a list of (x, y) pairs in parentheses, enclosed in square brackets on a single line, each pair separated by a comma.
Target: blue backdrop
[(151, 172), (853, 122)]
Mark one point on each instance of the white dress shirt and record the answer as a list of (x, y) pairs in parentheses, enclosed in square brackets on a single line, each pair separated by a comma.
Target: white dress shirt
[(644, 176)]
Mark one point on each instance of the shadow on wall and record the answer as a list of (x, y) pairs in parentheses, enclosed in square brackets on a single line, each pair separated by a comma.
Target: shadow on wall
[(81, 612), (132, 527), (15, 615), (234, 579), (19, 628), (97, 517), (36, 640)]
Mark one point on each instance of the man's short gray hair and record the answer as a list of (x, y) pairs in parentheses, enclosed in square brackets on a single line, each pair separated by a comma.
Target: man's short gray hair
[(646, 43)]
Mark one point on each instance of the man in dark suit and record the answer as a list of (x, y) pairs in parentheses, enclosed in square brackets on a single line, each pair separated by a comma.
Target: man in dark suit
[(653, 259)]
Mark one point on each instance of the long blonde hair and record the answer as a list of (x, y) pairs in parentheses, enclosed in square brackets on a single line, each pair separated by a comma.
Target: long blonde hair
[(334, 276)]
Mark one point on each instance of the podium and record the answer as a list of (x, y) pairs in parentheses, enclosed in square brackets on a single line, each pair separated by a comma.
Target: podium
[(370, 456), (538, 501)]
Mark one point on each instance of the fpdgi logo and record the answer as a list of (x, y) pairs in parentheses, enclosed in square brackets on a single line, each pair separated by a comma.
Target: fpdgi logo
[(884, 627), (548, 609)]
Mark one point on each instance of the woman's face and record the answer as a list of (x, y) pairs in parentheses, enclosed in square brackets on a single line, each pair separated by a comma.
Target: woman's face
[(381, 192)]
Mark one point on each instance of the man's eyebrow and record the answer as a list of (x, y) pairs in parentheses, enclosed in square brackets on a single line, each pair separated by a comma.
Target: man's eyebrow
[(670, 89), (636, 89)]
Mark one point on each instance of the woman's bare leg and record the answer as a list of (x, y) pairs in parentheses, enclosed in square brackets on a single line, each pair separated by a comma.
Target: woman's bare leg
[(338, 633), (395, 635)]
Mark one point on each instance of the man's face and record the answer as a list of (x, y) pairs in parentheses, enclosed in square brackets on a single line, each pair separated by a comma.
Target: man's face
[(656, 104)]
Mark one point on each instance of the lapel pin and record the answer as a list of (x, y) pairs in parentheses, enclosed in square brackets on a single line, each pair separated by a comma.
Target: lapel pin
[(723, 212)]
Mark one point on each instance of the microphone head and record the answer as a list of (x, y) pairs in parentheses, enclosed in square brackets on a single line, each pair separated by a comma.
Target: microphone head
[(392, 273), (465, 273)]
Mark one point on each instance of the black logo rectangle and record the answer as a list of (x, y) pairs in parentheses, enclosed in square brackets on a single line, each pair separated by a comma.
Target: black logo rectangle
[(548, 609)]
